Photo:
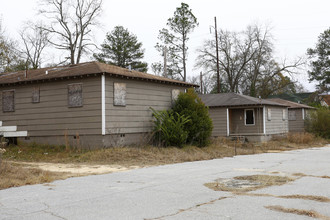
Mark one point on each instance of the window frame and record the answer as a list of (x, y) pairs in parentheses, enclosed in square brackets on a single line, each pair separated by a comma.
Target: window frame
[(13, 102), (82, 97), (35, 91), (292, 116), (269, 114), (245, 117), (119, 101), (284, 114)]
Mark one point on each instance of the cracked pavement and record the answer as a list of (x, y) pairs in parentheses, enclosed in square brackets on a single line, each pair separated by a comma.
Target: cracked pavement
[(177, 191)]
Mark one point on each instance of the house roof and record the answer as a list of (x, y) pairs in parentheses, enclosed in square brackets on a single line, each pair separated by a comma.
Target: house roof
[(81, 69), (296, 97), (234, 99), (290, 104), (326, 99)]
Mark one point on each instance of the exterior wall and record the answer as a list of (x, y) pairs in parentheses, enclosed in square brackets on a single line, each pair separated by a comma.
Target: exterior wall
[(136, 116), (237, 122), (277, 125), (219, 120), (298, 124), (52, 117)]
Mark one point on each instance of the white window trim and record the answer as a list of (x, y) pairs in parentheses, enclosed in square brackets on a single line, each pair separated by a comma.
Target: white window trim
[(254, 119)]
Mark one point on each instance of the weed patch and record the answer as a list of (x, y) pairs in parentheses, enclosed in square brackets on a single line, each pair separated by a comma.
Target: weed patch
[(309, 213), (247, 183)]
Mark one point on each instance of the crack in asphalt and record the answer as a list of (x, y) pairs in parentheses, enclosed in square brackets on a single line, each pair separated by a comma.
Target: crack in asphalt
[(49, 212), (189, 209)]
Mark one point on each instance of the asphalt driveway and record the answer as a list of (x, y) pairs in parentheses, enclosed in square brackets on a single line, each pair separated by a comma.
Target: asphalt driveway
[(178, 192)]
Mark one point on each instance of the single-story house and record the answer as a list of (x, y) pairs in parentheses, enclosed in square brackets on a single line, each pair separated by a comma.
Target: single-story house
[(297, 114), (325, 100), (254, 119), (88, 104), (304, 97)]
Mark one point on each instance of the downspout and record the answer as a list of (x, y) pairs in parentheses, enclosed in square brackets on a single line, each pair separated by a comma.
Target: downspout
[(264, 119), (103, 102), (228, 133)]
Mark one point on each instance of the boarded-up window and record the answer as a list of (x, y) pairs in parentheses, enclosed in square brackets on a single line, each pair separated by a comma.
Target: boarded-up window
[(249, 117), (119, 94), (175, 94), (75, 98), (284, 114), (36, 95), (269, 114), (8, 101), (292, 115)]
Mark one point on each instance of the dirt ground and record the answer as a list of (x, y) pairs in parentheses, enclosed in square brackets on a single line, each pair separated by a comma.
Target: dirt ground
[(75, 169)]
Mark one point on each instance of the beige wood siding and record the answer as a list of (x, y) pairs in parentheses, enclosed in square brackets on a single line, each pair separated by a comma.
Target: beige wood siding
[(298, 124), (237, 122), (219, 120), (277, 125), (52, 116), (136, 116)]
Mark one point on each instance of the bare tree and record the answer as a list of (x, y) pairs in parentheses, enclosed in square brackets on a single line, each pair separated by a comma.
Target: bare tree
[(247, 63), (235, 52), (10, 57), (35, 39), (71, 23)]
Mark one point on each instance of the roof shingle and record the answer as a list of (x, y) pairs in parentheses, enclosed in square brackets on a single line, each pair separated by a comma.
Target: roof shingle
[(234, 99), (81, 70), (290, 104)]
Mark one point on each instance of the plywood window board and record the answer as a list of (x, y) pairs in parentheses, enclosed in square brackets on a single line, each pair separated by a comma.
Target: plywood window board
[(119, 96), (8, 100), (75, 97)]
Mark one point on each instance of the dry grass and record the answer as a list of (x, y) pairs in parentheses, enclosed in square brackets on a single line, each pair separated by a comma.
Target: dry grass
[(15, 175), (296, 196), (248, 183), (138, 156), (309, 213), (306, 197), (149, 155), (301, 138)]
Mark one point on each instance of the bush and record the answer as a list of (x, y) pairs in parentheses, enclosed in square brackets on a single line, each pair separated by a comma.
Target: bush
[(318, 122), (169, 128), (199, 127)]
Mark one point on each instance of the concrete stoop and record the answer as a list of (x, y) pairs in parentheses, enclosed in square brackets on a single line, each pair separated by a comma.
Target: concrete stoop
[(11, 131)]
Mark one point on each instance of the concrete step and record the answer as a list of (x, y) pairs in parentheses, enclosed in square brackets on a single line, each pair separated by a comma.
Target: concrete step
[(8, 128), (14, 133)]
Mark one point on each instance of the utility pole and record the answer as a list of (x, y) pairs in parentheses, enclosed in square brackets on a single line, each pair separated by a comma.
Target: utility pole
[(216, 45), (201, 79), (165, 61)]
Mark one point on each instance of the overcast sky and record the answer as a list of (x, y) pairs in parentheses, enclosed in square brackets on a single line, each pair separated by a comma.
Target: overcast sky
[(296, 24)]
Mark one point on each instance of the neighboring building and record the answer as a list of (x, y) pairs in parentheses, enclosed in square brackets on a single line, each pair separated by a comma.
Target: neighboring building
[(89, 104), (297, 114), (325, 100), (304, 98), (244, 116)]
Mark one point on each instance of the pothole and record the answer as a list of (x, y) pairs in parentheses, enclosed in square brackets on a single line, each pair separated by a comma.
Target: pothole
[(248, 183)]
